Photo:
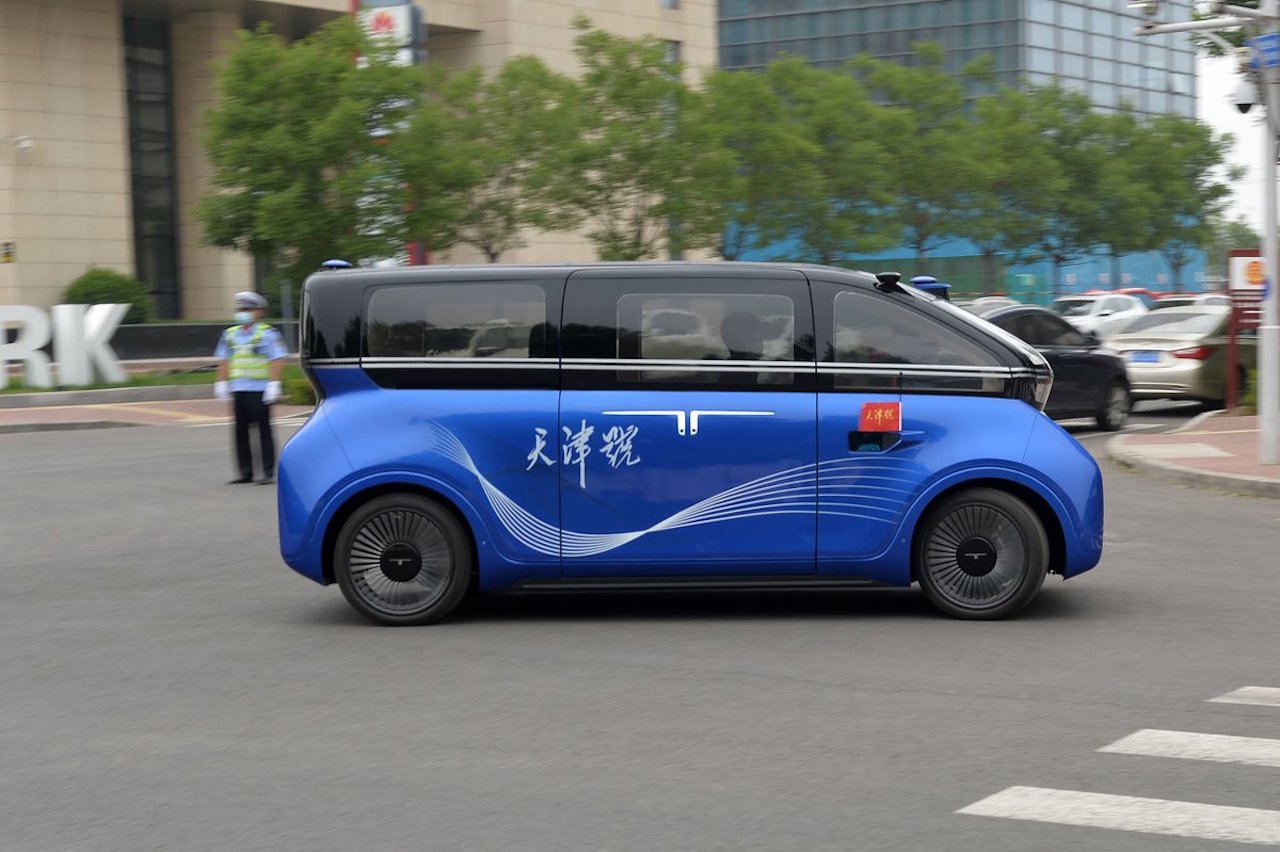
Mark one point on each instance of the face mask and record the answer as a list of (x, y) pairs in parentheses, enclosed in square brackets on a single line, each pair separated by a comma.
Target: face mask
[(244, 317)]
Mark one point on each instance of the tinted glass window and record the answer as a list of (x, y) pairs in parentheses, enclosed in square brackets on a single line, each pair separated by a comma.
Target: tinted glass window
[(481, 320), (1051, 331), (706, 327), (675, 332), (737, 327), (869, 329)]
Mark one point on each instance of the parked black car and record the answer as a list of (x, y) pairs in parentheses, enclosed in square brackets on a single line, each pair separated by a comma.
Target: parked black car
[(1088, 381)]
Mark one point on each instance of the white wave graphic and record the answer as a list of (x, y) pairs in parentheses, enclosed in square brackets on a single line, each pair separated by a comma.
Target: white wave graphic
[(844, 484)]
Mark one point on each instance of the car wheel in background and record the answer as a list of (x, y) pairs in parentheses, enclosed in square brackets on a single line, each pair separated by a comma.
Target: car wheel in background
[(402, 559), (981, 554), (1115, 407)]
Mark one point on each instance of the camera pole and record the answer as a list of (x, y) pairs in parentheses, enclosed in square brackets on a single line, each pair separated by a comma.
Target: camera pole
[(1260, 24)]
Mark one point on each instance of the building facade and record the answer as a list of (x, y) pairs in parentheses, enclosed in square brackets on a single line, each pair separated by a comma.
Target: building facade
[(101, 105), (1086, 45)]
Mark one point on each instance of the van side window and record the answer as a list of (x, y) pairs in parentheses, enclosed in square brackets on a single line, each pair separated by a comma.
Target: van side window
[(869, 328), (675, 332), (875, 334), (480, 320)]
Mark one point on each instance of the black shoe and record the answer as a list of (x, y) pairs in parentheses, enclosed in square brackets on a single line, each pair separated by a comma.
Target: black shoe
[(241, 481), (266, 480)]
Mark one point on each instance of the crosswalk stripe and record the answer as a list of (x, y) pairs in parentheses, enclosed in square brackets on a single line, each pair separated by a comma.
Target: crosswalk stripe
[(1130, 813), (1217, 748), (1264, 696)]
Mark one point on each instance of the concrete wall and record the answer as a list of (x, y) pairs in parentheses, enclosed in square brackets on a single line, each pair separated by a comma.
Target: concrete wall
[(65, 202), (200, 40)]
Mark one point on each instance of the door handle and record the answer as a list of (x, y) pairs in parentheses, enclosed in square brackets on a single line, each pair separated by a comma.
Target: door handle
[(883, 442)]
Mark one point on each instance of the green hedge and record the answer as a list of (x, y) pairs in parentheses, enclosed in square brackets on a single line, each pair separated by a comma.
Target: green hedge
[(105, 286)]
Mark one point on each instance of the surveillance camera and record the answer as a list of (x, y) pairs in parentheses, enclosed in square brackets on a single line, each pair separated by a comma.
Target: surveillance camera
[(1245, 96)]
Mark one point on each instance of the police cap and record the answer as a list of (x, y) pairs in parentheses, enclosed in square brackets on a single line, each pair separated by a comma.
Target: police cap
[(250, 300)]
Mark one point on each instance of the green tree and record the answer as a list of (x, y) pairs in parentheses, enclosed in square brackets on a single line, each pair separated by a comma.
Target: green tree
[(638, 169), (837, 205), (1227, 234), (1066, 121), (935, 160), (776, 163), (1182, 159), (300, 171), (1126, 204), (479, 154), (1017, 180)]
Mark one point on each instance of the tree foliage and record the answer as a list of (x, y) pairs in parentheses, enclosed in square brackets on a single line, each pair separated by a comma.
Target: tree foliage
[(316, 155), (300, 173)]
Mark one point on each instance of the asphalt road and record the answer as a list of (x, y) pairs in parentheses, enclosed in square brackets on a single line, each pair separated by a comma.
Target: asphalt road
[(169, 684)]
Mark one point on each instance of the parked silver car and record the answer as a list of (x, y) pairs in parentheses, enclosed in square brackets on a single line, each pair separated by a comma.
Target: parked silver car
[(1181, 353)]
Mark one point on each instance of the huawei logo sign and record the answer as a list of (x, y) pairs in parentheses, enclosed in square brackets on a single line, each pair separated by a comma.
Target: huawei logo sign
[(383, 23)]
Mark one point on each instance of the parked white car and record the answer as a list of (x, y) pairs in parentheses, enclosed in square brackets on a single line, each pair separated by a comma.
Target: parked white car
[(1100, 315), (1185, 300)]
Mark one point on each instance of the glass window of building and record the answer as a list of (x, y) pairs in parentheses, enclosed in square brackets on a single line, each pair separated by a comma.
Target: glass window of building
[(1071, 15), (1041, 60), (1041, 35), (1072, 41)]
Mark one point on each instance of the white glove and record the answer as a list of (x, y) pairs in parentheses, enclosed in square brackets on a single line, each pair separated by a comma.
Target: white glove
[(272, 393), (220, 391)]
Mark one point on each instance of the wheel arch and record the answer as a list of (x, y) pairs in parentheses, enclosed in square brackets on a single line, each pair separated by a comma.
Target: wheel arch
[(1048, 517), (360, 498)]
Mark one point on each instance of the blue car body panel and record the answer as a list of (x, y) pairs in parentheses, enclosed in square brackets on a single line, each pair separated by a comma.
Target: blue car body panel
[(563, 484)]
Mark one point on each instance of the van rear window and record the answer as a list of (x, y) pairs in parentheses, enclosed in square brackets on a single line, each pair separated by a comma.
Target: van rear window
[(481, 320)]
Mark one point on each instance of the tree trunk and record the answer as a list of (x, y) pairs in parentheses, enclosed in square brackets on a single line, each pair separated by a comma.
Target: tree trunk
[(989, 270), (1115, 271)]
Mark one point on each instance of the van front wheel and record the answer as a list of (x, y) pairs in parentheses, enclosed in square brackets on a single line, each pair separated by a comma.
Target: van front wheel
[(981, 554), (402, 559)]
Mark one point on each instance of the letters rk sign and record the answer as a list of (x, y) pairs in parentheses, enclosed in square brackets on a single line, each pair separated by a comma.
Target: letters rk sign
[(80, 336)]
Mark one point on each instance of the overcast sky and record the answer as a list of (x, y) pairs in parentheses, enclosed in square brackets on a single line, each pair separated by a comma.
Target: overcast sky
[(1216, 83)]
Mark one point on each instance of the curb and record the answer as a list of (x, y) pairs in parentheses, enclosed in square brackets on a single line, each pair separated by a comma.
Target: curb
[(69, 426), (1127, 459), (154, 393)]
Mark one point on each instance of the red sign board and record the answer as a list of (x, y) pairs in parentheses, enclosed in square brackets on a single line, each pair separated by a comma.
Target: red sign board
[(880, 417), (1247, 305)]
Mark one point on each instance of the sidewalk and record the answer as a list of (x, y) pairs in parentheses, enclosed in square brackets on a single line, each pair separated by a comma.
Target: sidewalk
[(1216, 452), (116, 408)]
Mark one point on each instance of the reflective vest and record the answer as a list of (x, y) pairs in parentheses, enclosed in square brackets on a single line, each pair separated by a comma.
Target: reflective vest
[(245, 361)]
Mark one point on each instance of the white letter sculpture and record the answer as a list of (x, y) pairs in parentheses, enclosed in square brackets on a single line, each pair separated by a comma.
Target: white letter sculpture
[(33, 332), (80, 341)]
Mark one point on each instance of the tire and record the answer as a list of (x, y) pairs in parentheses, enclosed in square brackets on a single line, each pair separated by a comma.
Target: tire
[(1115, 407), (1001, 533), (402, 559)]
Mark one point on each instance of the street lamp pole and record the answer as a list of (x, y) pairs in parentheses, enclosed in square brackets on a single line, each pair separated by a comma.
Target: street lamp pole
[(1269, 330), (1261, 23)]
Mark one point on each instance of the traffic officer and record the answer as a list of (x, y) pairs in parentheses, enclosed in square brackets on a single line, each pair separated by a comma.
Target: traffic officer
[(250, 361)]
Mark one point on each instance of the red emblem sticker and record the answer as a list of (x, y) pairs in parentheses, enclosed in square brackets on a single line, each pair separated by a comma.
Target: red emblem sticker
[(880, 417)]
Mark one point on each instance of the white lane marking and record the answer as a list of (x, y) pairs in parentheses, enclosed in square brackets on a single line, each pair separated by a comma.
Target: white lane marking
[(1130, 813), (1185, 745), (1263, 696)]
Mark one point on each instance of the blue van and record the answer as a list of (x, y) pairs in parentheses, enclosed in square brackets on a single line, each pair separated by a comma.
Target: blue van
[(673, 426)]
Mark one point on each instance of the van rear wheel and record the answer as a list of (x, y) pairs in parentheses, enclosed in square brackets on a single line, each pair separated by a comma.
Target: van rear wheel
[(981, 554), (402, 559)]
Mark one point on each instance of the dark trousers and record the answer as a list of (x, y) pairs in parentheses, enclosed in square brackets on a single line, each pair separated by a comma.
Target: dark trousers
[(250, 409)]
